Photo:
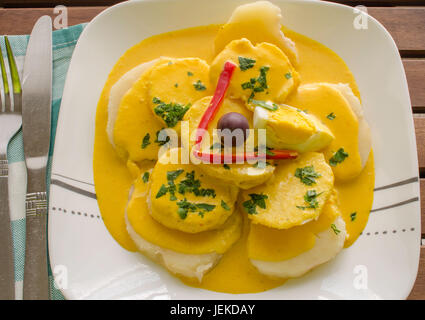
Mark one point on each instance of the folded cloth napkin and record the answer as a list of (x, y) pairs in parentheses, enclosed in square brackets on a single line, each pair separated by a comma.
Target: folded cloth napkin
[(64, 42)]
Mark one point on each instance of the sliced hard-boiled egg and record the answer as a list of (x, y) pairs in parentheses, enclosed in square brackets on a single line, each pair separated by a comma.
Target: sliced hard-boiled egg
[(294, 195), (258, 22), (185, 254), (243, 175), (264, 72), (290, 128), (341, 111)]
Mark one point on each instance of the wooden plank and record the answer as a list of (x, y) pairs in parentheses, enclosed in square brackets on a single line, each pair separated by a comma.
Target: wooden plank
[(415, 73), (422, 185), (419, 120), (21, 21), (406, 25), (418, 291), (53, 3)]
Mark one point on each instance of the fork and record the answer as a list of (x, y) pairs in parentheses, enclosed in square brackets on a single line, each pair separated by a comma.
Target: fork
[(10, 122)]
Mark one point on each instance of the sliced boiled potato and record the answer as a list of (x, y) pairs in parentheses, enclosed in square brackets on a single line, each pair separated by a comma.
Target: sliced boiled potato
[(119, 89), (182, 197), (285, 201), (244, 175), (290, 128), (292, 252), (264, 72), (341, 111), (186, 254), (174, 86), (135, 127), (328, 244), (258, 22)]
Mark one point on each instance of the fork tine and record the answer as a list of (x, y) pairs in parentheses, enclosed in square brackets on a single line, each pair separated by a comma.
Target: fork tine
[(16, 83), (5, 83)]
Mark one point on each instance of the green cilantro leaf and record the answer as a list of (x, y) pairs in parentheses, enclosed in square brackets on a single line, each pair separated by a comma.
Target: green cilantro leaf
[(335, 229), (146, 141), (288, 75), (307, 175), (257, 200), (225, 206), (246, 63), (338, 157), (199, 86), (331, 116), (171, 113), (353, 216), (145, 177)]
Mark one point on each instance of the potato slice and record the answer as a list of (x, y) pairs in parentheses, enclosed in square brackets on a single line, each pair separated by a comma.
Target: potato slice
[(182, 197), (173, 87), (267, 75), (258, 22), (286, 200)]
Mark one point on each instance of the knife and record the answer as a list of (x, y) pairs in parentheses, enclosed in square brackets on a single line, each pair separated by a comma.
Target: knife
[(36, 109)]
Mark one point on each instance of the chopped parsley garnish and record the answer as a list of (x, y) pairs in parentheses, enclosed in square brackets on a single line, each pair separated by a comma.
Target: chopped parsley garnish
[(338, 157), (268, 151), (172, 175), (189, 73), (353, 216), (185, 207), (171, 112), (216, 146), (146, 141), (171, 189), (265, 105), (176, 85), (226, 166), (288, 75), (246, 63), (335, 229), (257, 84), (261, 164), (199, 86), (307, 175), (160, 142), (331, 116), (190, 184), (225, 206), (145, 177), (257, 200), (162, 191), (310, 199)]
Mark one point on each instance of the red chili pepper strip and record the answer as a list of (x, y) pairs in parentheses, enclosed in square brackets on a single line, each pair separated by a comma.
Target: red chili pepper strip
[(209, 114), (281, 154), (277, 154), (217, 99)]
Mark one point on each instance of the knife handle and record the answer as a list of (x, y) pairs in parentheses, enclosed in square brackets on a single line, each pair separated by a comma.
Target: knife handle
[(36, 280), (7, 272)]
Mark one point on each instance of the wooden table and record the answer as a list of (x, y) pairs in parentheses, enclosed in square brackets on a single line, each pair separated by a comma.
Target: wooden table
[(404, 19)]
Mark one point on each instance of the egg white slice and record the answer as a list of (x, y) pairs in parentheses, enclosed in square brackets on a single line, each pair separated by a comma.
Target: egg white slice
[(328, 245)]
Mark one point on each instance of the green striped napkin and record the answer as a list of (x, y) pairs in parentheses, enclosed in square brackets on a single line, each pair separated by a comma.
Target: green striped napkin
[(64, 42)]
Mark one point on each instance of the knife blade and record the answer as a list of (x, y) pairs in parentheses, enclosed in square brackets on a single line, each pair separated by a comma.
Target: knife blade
[(36, 110)]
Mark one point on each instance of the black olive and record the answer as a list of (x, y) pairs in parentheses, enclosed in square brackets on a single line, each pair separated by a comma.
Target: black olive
[(233, 121)]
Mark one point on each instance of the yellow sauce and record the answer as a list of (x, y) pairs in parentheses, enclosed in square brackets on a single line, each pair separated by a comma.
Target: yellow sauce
[(234, 273)]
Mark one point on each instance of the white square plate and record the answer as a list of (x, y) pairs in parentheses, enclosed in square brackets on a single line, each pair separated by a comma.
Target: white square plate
[(97, 267)]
